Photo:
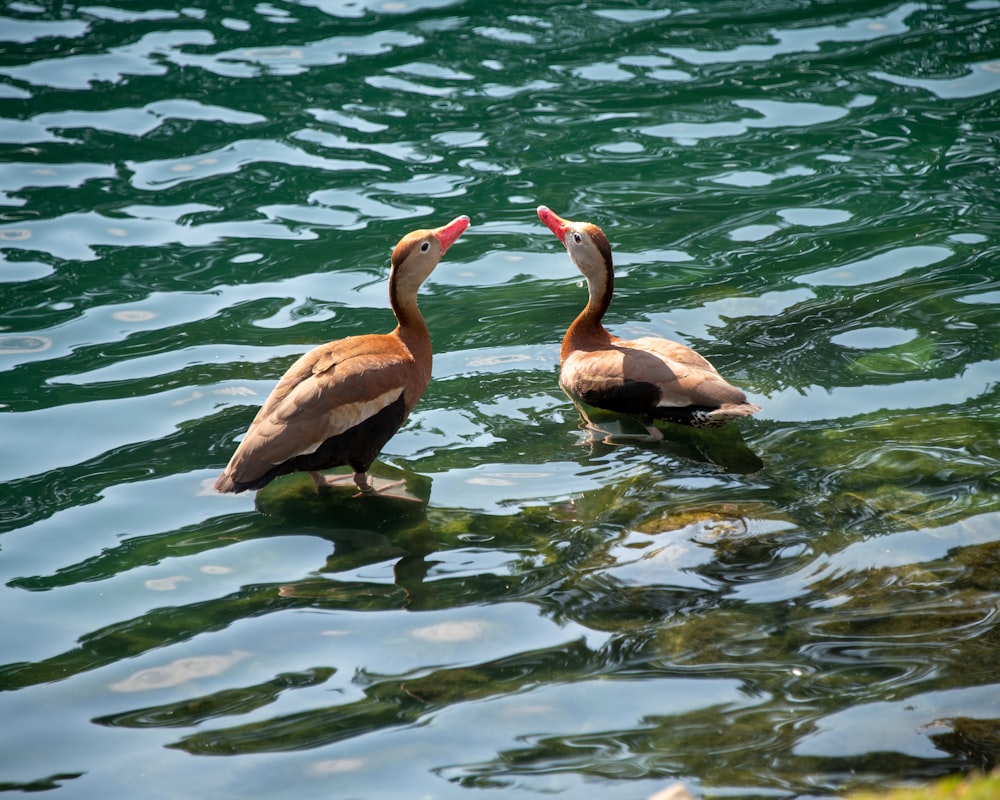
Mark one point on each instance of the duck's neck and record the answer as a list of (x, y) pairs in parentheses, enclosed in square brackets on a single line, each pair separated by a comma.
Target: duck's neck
[(410, 328), (587, 332)]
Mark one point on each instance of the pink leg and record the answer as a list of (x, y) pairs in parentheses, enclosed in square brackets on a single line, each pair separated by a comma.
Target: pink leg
[(366, 487)]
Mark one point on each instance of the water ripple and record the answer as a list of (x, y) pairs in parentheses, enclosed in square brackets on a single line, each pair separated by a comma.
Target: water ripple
[(804, 39), (167, 173)]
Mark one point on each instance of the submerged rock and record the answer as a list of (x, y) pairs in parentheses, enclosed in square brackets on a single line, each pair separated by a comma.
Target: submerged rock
[(178, 672)]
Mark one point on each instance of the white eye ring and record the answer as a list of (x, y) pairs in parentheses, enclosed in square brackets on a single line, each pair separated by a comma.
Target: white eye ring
[(425, 246), (577, 238)]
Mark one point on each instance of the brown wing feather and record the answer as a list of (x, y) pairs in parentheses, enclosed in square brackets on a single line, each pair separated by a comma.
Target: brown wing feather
[(646, 373), (328, 390), (688, 378)]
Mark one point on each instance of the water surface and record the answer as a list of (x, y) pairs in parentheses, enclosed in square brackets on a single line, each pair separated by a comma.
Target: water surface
[(800, 604)]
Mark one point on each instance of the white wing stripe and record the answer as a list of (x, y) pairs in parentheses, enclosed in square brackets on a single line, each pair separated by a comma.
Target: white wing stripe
[(347, 416)]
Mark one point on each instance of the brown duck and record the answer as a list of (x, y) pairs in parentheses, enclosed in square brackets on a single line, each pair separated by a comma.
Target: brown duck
[(651, 378), (342, 401)]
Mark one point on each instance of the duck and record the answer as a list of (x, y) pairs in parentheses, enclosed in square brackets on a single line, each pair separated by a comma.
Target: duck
[(341, 402), (651, 378)]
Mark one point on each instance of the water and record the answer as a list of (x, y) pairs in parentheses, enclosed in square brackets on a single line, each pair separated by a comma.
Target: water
[(795, 606)]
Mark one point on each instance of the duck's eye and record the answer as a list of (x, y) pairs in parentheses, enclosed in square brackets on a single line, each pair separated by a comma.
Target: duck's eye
[(577, 238), (424, 247)]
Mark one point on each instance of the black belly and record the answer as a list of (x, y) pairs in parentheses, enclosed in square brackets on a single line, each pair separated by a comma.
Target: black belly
[(639, 398), (356, 447), (625, 397)]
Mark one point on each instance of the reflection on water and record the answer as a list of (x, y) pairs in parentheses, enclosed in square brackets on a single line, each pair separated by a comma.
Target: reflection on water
[(793, 606)]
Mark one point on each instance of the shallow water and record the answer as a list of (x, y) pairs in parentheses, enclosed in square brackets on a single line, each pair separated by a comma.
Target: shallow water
[(797, 605)]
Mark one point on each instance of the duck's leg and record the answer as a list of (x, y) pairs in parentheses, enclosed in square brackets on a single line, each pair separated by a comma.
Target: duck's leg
[(328, 481), (367, 487), (370, 486), (652, 435)]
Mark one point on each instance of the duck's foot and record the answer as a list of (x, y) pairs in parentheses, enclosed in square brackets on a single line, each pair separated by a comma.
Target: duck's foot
[(329, 481), (652, 435), (597, 434), (395, 489), (367, 487)]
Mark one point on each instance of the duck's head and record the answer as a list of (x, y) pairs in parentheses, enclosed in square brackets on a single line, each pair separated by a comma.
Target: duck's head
[(417, 253), (586, 244)]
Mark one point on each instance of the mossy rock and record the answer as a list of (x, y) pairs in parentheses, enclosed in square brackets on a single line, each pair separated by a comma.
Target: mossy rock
[(977, 787), (294, 498)]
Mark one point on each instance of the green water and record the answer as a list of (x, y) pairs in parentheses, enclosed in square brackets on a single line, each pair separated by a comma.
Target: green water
[(797, 605)]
